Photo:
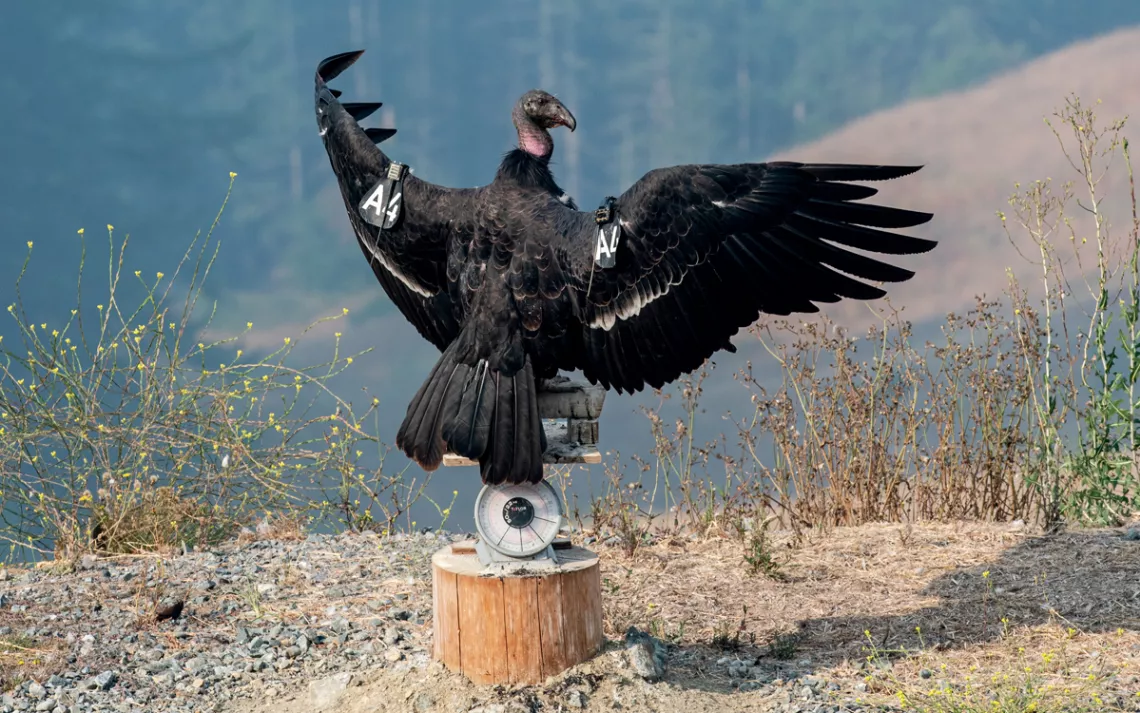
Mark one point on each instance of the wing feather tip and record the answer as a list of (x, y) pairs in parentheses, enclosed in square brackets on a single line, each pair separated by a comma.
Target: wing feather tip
[(330, 67)]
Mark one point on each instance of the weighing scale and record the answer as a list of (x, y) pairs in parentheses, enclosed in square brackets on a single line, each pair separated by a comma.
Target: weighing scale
[(517, 525)]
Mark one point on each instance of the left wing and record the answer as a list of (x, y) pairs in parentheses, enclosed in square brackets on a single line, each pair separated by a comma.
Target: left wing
[(704, 249), (410, 258)]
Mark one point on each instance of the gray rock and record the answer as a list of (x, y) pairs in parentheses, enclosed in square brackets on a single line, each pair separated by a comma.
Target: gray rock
[(393, 655), (154, 655), (36, 691), (103, 682), (646, 654), (643, 662), (196, 664), (423, 702), (576, 699), (327, 692)]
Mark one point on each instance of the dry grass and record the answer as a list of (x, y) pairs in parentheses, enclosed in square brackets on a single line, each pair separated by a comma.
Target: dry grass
[(1021, 408), (22, 656), (966, 601), (288, 527)]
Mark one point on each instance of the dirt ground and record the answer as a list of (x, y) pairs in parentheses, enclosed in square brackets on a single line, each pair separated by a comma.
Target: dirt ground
[(972, 613)]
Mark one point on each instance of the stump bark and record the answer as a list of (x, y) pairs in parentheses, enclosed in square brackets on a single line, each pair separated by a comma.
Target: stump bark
[(519, 627)]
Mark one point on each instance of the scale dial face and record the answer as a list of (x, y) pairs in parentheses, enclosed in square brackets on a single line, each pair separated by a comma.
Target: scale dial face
[(518, 520)]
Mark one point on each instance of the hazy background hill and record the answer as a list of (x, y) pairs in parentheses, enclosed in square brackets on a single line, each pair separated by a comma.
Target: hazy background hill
[(133, 113)]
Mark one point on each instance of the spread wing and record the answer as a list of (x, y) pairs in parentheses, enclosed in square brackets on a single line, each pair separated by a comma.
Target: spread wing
[(704, 249), (409, 259)]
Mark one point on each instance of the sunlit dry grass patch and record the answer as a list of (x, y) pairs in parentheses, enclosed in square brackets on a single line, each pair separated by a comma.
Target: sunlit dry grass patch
[(968, 607)]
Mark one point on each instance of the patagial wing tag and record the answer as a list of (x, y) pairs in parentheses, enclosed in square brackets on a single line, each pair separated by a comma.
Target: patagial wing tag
[(384, 204), (609, 232)]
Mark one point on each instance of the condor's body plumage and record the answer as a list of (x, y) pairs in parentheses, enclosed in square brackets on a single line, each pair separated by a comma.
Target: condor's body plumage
[(503, 279)]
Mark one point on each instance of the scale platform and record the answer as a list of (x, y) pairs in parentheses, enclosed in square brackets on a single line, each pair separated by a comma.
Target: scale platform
[(570, 412), (519, 525)]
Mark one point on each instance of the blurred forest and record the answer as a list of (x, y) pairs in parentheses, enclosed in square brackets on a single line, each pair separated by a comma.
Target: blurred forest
[(133, 113)]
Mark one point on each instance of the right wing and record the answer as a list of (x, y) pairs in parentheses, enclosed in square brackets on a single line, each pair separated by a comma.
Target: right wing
[(705, 249), (409, 259)]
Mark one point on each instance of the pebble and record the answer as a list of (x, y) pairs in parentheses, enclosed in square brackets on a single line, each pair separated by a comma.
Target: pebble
[(219, 651), (423, 702), (393, 655), (223, 649)]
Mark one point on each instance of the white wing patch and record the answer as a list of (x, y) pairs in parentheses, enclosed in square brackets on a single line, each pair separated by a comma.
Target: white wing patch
[(388, 265), (629, 304)]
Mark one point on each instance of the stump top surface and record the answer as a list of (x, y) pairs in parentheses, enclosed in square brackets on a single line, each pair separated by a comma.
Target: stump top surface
[(465, 563)]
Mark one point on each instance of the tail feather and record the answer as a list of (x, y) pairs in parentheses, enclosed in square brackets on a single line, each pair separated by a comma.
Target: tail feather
[(419, 436), (478, 413), (516, 441), (536, 436), (526, 437), (498, 461), (468, 426), (446, 400)]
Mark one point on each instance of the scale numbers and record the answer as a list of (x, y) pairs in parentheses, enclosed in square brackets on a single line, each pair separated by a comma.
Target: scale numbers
[(518, 520)]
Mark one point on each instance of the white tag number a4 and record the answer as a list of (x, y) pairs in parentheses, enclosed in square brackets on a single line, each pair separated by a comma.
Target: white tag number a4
[(606, 252), (381, 212)]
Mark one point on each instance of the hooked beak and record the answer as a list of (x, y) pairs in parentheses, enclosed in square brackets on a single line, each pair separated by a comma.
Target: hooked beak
[(563, 117)]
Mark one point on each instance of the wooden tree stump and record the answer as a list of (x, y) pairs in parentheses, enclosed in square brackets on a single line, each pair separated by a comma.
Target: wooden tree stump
[(499, 628)]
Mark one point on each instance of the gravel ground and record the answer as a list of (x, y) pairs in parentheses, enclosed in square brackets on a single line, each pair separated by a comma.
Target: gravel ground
[(335, 623)]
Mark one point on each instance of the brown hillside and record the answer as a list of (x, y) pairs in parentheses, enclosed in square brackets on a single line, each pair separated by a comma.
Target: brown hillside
[(975, 145)]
